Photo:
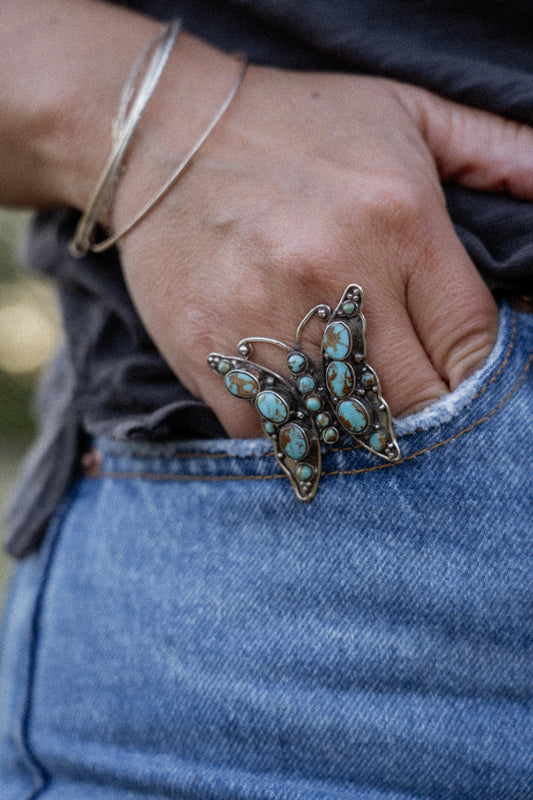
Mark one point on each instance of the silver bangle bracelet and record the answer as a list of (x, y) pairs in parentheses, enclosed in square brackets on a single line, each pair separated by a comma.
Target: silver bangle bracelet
[(99, 247), (132, 104)]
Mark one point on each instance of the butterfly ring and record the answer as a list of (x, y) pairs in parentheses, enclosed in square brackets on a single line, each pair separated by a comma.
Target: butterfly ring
[(315, 405)]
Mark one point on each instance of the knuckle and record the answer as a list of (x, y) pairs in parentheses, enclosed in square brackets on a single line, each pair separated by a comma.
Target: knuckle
[(399, 202), (308, 253), (406, 220)]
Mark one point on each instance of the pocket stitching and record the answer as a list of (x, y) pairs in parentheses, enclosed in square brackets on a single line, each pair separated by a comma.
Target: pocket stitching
[(170, 477)]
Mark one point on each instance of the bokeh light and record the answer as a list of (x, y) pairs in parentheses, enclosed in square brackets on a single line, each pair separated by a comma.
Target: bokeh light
[(29, 336)]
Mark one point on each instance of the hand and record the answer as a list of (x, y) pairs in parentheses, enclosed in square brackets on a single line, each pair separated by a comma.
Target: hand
[(313, 181)]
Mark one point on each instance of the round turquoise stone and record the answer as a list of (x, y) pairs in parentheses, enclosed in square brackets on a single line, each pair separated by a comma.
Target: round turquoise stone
[(339, 378), (223, 366), (296, 362), (348, 307), (293, 441), (304, 472), (337, 340), (269, 427), (241, 384), (313, 403), (323, 419), (306, 384), (330, 435), (378, 441), (353, 415), (272, 406)]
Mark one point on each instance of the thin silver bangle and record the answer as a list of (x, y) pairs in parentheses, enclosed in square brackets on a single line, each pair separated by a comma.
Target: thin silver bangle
[(99, 247), (131, 106)]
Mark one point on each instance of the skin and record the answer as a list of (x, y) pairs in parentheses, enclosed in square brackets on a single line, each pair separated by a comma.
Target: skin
[(310, 182)]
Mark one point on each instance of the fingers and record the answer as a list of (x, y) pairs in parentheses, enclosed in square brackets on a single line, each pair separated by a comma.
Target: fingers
[(409, 380), (432, 321), (425, 343), (452, 310), (472, 147)]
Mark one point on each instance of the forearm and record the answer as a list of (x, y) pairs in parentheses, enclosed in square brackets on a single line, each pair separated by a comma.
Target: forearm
[(62, 67)]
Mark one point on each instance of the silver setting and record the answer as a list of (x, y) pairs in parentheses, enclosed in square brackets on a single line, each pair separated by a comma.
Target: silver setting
[(349, 311)]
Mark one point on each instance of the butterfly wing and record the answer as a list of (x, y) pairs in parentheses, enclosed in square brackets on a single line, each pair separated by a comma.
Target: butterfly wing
[(352, 385), (284, 417)]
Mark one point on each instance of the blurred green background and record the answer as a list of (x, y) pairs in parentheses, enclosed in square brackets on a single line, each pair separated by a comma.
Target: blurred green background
[(29, 335)]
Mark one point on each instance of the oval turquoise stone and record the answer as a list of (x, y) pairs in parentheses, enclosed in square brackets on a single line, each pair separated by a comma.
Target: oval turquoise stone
[(296, 362), (339, 378), (367, 379), (293, 441), (353, 415), (337, 340), (272, 406), (224, 366), (378, 441), (323, 419), (304, 472), (241, 384), (269, 427), (306, 384)]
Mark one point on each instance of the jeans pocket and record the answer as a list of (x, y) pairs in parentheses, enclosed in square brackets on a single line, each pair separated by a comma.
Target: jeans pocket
[(451, 405)]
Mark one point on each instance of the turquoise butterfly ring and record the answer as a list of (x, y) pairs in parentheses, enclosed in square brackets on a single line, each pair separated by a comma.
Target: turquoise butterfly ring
[(315, 405)]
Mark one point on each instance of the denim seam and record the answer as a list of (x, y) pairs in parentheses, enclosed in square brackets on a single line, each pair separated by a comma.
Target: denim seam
[(212, 456), (192, 454), (185, 478), (40, 771), (450, 438), (504, 362), (478, 393)]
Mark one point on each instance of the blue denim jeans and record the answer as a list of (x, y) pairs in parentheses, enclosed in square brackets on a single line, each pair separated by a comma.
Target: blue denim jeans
[(190, 630)]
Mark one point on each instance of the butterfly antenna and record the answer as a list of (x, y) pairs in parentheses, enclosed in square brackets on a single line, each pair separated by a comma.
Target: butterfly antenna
[(322, 311), (245, 345)]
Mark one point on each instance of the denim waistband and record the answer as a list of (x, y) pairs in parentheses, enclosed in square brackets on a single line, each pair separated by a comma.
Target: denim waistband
[(479, 400)]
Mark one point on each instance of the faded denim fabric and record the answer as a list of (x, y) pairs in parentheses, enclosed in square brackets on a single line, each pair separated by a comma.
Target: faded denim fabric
[(190, 630)]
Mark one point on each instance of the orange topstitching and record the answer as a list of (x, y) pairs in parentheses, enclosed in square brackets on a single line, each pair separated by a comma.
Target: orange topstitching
[(170, 477)]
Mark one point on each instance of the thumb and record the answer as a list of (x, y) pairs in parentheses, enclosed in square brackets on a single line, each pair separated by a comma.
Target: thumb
[(473, 147)]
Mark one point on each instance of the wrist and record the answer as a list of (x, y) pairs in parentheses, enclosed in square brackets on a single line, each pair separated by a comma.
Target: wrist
[(193, 85), (60, 91)]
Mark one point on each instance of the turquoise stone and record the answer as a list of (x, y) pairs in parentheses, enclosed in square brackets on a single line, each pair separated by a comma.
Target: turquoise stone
[(242, 384), (353, 416), (296, 362), (339, 378), (313, 403), (224, 366), (306, 384), (337, 340), (348, 307), (323, 419), (304, 472), (330, 435), (269, 427), (293, 441), (272, 406), (367, 379), (378, 441)]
